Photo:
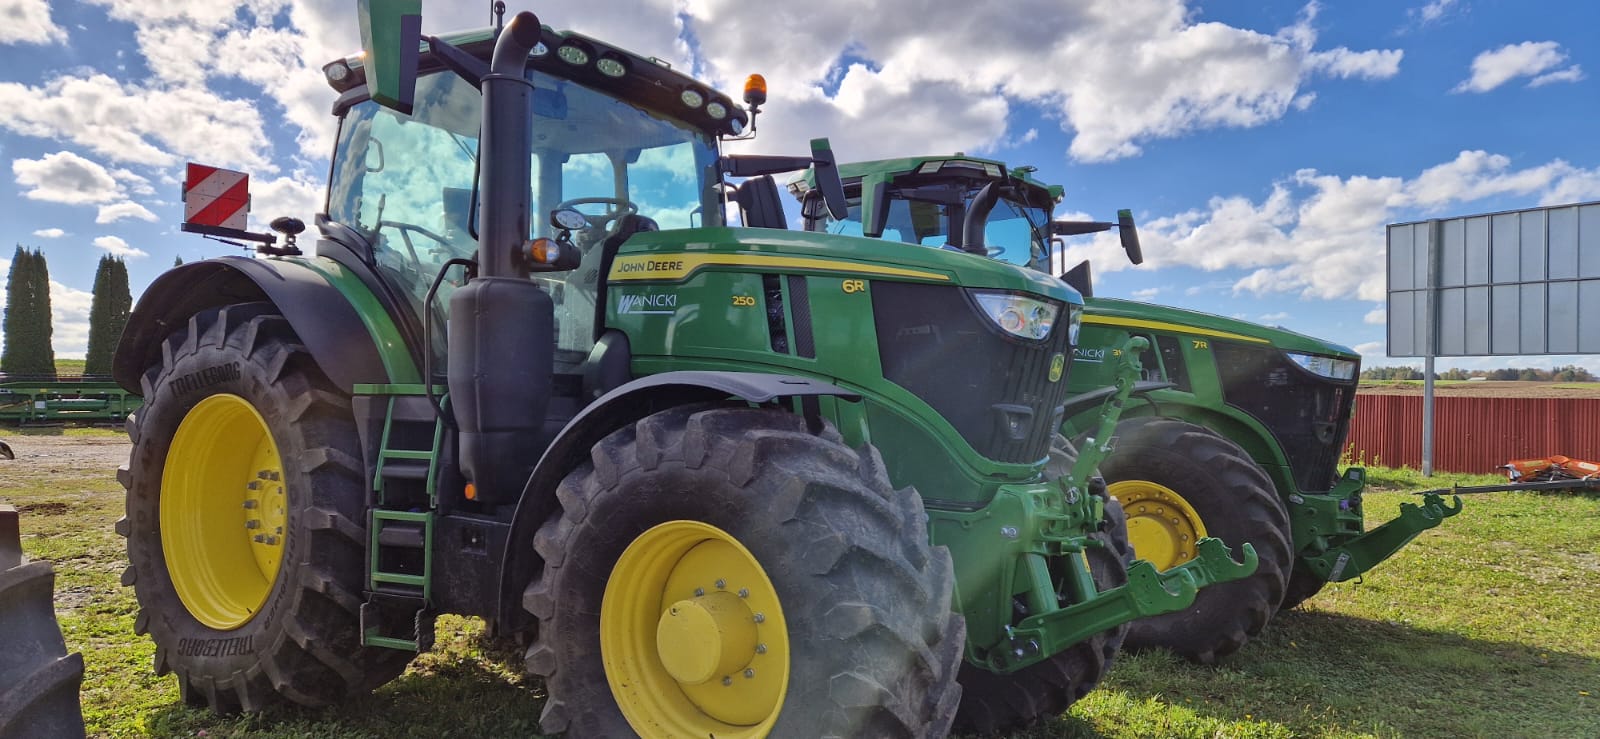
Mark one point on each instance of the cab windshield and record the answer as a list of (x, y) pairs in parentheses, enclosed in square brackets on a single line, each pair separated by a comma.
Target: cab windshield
[(405, 182), (933, 214)]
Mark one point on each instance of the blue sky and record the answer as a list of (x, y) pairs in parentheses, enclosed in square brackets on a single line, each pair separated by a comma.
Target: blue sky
[(1262, 146)]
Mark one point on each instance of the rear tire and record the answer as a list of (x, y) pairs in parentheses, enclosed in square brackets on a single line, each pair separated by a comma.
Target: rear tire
[(38, 680), (993, 702), (302, 644), (866, 598), (1236, 503), (1303, 584)]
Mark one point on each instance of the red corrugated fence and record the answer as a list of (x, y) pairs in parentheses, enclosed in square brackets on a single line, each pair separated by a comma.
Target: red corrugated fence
[(1473, 434)]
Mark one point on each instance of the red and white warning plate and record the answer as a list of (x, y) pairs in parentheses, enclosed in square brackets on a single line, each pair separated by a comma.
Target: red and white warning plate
[(216, 197)]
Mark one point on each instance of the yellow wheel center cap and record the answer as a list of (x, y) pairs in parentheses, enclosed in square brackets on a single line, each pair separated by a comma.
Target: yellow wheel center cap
[(705, 637)]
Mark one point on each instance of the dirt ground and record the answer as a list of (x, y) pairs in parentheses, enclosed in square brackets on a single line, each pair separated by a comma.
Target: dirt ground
[(1486, 389), (68, 454)]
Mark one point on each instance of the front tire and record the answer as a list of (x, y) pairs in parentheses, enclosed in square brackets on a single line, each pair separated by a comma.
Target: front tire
[(715, 528), (245, 519), (993, 702), (1177, 482)]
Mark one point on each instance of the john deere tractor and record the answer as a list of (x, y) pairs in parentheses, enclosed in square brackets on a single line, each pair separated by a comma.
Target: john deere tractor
[(1236, 430), (729, 482)]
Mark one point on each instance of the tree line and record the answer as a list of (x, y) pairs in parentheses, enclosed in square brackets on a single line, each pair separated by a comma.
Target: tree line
[(1568, 373), (28, 351)]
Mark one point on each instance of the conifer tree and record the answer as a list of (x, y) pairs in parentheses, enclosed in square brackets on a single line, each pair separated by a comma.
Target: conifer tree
[(108, 314), (27, 320)]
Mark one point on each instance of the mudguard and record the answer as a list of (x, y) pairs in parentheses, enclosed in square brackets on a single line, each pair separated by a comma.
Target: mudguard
[(348, 348), (615, 409)]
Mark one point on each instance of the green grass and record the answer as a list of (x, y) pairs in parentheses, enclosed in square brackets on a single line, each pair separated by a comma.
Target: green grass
[(1486, 626)]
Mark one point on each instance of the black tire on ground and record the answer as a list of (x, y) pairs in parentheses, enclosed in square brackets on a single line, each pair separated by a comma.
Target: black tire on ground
[(1303, 583), (1237, 503), (874, 644), (992, 702), (38, 680), (304, 644)]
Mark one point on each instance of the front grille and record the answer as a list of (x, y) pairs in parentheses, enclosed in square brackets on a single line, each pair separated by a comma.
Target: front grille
[(1308, 414), (993, 388)]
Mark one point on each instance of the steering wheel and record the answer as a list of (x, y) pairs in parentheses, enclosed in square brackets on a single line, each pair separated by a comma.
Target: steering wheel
[(441, 245), (618, 207)]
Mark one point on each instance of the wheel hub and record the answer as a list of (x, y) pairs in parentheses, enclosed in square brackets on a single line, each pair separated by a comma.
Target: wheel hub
[(1163, 528), (693, 636), (706, 636)]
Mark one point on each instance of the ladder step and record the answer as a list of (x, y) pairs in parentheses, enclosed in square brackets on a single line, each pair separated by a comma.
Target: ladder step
[(405, 472), (405, 535), (422, 454)]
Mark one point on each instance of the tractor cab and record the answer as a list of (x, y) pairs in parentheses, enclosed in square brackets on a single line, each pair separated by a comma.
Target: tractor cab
[(404, 183)]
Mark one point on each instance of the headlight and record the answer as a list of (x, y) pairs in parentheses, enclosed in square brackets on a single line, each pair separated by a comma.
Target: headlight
[(1329, 367), (1018, 315)]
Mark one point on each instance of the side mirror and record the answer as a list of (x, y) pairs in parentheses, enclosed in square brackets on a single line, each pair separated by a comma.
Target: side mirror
[(1130, 236), (391, 37), (826, 170)]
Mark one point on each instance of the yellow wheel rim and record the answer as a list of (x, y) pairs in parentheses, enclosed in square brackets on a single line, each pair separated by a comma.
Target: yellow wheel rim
[(693, 637), (224, 512), (1162, 527)]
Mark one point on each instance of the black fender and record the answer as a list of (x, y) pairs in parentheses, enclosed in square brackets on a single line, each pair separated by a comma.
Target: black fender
[(322, 317), (615, 409)]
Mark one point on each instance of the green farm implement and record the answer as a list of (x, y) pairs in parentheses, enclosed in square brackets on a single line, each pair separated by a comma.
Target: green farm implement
[(722, 481), (45, 400)]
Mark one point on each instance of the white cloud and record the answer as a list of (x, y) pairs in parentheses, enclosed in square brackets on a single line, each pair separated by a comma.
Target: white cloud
[(1147, 293), (69, 320), (1537, 59), (49, 233), (119, 248), (1344, 63), (1431, 12), (28, 22), (1274, 317), (125, 209), (136, 124), (299, 195), (1321, 235), (1377, 316), (1370, 349), (1573, 73), (1116, 72), (65, 177)]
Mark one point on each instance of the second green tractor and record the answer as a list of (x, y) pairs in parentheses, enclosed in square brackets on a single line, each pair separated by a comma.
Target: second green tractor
[(1236, 428)]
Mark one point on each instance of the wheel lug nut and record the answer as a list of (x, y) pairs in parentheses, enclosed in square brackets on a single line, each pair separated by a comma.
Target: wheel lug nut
[(252, 524), (744, 592), (699, 592), (250, 504), (749, 672), (260, 538), (760, 618), (721, 584), (761, 649), (254, 485), (726, 681)]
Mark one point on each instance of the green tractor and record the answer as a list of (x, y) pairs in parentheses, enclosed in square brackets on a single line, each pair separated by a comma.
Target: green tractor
[(1237, 428), (723, 481)]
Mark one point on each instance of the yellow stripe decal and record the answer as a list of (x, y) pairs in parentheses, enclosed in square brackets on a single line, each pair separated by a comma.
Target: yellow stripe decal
[(679, 266), (1173, 327)]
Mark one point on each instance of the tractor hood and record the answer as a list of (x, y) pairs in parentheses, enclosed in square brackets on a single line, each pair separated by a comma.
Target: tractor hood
[(645, 256), (1128, 313)]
